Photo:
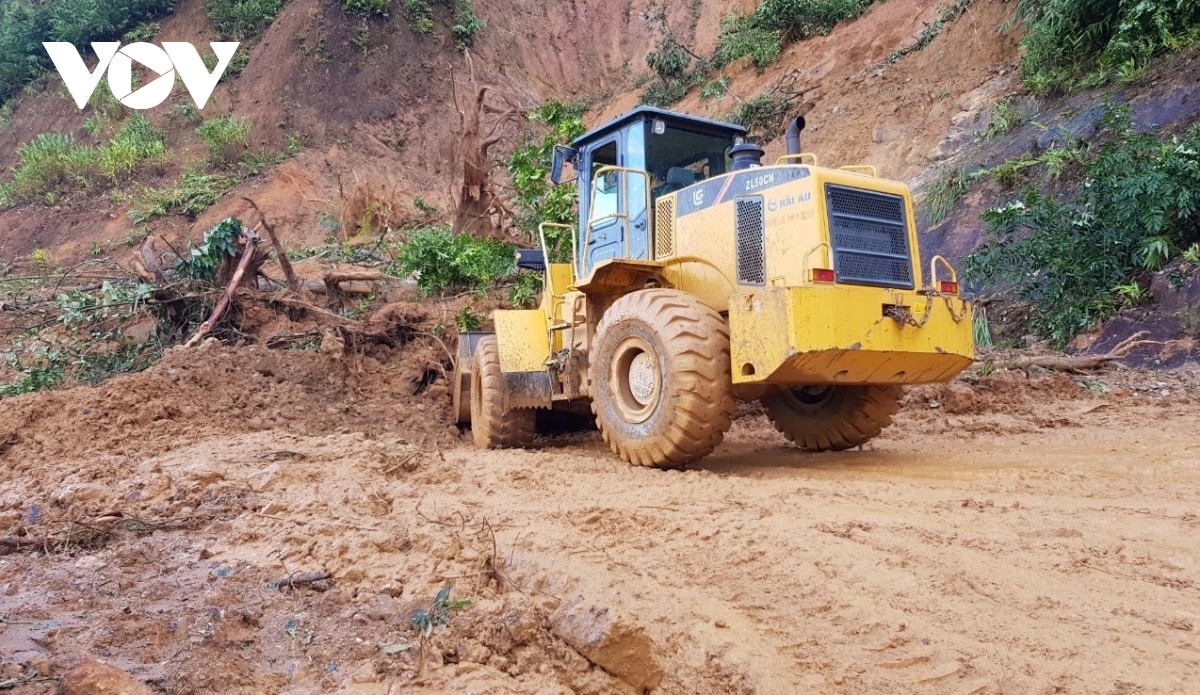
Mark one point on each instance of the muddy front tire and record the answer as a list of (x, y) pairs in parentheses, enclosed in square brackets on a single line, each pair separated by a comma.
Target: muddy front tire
[(660, 381), (832, 418), (493, 425)]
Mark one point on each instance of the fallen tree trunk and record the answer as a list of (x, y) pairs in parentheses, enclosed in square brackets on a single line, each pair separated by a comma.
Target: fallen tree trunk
[(1076, 363), (333, 283)]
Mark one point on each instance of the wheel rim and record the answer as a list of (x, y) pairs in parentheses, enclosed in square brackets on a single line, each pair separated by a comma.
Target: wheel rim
[(809, 398), (635, 380)]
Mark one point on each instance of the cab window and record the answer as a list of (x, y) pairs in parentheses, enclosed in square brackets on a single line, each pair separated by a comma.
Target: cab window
[(607, 186), (677, 158)]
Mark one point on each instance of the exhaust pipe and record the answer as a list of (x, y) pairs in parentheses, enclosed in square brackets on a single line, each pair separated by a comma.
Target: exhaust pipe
[(793, 135)]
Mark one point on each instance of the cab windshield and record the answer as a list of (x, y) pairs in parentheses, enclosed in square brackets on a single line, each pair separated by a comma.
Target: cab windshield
[(677, 158)]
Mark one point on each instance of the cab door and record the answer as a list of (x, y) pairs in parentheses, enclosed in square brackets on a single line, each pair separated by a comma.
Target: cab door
[(604, 230), (613, 201)]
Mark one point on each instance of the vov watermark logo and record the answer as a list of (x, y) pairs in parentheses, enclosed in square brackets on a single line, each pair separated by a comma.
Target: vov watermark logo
[(175, 57)]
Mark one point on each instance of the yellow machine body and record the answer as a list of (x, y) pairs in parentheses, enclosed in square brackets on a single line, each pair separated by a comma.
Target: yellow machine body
[(816, 270), (789, 330)]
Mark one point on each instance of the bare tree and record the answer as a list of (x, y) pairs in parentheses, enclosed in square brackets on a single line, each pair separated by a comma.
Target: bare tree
[(489, 119)]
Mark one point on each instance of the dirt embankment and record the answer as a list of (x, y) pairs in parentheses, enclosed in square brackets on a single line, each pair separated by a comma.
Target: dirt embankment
[(1007, 534)]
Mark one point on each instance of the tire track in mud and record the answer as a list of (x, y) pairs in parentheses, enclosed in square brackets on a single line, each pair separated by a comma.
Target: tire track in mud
[(932, 562), (867, 580)]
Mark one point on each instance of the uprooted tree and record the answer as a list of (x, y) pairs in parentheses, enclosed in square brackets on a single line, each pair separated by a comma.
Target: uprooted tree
[(486, 121)]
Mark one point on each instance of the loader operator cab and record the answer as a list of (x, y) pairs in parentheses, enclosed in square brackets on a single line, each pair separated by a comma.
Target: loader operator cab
[(623, 166)]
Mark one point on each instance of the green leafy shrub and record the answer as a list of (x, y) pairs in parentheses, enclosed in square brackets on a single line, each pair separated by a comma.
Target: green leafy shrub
[(663, 93), (238, 20), (441, 260), (367, 8), (219, 244), (762, 115), (86, 345), (142, 33), (466, 320), (227, 138), (419, 15), (1074, 43), (715, 89), (762, 34), (675, 68), (536, 199), (741, 37), (800, 19), (464, 24), (1137, 207)]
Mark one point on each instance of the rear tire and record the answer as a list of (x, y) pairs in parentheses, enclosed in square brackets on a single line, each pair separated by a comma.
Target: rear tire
[(660, 380), (832, 418), (493, 425)]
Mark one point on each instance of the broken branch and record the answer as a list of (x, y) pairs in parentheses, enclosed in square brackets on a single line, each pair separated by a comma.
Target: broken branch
[(1078, 363), (223, 303), (284, 263), (302, 579)]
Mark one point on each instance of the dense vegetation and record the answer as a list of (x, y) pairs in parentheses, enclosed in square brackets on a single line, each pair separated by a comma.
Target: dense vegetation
[(1082, 257), (53, 164), (759, 35), (25, 24), (535, 199), (1076, 43), (442, 259)]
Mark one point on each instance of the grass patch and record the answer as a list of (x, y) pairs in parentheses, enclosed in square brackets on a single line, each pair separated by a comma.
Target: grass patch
[(194, 193), (239, 20), (227, 139), (1006, 117), (943, 194), (55, 164)]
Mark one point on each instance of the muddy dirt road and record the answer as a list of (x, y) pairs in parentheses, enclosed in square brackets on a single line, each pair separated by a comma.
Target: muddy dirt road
[(1006, 536)]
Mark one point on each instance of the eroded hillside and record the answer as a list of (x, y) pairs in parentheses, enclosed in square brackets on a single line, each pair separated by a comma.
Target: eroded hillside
[(368, 107)]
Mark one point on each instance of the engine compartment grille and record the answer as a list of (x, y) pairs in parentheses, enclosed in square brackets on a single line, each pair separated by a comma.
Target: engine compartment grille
[(869, 235), (750, 249), (664, 227)]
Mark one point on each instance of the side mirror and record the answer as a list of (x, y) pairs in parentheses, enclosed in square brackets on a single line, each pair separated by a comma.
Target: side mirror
[(562, 155)]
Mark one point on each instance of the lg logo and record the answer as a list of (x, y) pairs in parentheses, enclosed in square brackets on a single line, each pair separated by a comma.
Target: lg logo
[(174, 57)]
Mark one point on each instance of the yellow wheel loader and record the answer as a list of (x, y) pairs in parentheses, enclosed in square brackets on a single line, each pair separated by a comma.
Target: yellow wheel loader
[(700, 276)]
